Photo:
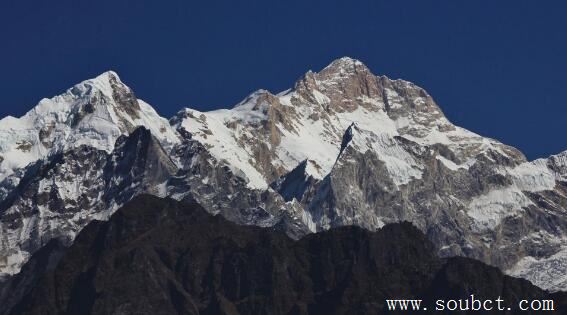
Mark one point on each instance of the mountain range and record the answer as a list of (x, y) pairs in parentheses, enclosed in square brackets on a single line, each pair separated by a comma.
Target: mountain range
[(342, 147)]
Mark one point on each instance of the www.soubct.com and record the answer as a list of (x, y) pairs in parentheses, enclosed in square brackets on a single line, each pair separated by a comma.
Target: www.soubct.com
[(469, 304)]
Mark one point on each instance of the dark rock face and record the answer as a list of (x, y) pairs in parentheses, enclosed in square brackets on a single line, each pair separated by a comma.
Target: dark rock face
[(13, 289), (212, 184), (159, 256), (296, 184)]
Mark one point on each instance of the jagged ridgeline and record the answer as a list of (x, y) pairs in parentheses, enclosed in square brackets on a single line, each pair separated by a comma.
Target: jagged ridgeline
[(160, 256), (342, 147)]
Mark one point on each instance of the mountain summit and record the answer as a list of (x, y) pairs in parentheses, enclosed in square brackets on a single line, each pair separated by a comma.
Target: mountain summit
[(94, 113), (342, 147)]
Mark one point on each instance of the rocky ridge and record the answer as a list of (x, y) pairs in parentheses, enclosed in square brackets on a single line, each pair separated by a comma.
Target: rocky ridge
[(146, 260)]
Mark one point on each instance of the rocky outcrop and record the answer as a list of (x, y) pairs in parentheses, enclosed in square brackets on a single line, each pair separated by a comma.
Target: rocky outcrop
[(55, 198)]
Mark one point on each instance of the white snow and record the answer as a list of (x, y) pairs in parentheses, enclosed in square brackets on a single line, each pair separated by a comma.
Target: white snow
[(549, 273), (532, 176), (560, 162), (320, 97), (401, 165), (377, 122), (211, 130), (12, 263), (308, 144), (489, 210), (450, 164)]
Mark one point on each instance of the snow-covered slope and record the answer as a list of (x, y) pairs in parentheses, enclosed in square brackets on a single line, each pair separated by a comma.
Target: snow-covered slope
[(268, 135), (94, 113)]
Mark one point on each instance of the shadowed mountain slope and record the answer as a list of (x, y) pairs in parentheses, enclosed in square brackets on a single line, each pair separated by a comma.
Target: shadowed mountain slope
[(159, 256)]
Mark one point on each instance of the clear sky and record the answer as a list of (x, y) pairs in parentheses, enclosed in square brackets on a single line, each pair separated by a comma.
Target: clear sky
[(495, 67)]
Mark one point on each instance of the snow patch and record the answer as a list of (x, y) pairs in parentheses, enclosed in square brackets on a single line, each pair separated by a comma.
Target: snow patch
[(401, 165), (532, 176), (489, 210), (549, 273), (211, 130), (450, 164)]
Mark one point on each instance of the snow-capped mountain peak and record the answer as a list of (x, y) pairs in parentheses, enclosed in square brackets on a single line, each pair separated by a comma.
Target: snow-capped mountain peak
[(345, 64), (272, 133), (352, 147), (94, 112)]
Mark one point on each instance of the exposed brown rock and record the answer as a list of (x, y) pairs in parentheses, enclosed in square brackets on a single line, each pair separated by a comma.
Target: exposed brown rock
[(124, 97)]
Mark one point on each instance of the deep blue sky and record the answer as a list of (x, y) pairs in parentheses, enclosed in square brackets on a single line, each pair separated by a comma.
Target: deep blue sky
[(496, 67)]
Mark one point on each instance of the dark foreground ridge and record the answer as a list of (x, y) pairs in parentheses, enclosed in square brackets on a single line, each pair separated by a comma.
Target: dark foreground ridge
[(159, 256)]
